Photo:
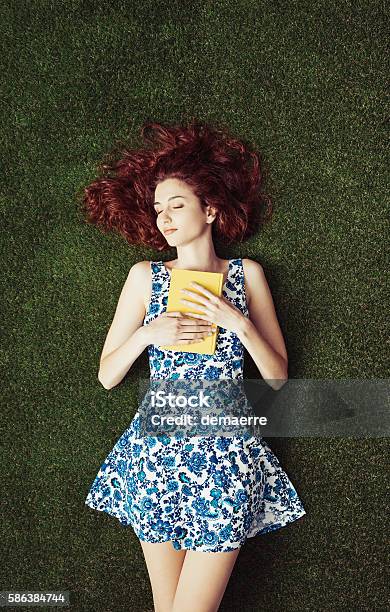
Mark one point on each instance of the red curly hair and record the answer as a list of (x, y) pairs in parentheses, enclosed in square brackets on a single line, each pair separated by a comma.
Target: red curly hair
[(222, 172)]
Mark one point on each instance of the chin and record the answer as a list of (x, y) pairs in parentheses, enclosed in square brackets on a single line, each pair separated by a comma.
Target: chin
[(169, 236)]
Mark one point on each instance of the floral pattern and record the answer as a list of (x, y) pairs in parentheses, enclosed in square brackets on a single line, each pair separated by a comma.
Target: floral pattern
[(205, 493)]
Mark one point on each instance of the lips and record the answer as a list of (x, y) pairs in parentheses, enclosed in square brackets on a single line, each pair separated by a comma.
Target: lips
[(169, 231)]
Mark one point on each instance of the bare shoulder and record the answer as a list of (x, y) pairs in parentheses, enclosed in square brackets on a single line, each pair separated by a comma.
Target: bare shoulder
[(140, 269), (140, 276), (251, 266), (253, 274)]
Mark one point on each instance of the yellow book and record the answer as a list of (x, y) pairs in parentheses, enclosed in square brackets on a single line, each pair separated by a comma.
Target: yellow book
[(181, 279)]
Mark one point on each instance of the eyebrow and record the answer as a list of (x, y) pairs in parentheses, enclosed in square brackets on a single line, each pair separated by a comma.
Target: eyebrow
[(171, 198)]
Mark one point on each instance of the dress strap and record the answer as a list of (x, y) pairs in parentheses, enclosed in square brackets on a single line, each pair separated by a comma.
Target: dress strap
[(241, 285), (158, 269)]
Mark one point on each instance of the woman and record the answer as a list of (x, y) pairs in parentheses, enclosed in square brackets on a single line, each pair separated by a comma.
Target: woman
[(192, 501)]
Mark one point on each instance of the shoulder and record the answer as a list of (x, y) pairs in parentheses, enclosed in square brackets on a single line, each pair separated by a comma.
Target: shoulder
[(139, 274), (251, 266), (252, 269), (139, 280), (140, 268), (253, 275)]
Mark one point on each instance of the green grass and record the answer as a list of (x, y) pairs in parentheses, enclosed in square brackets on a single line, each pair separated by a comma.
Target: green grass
[(306, 83)]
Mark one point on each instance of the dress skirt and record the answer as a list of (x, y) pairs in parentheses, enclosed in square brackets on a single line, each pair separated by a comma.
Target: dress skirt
[(201, 493)]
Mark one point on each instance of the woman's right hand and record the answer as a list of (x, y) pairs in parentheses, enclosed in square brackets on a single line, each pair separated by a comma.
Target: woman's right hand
[(177, 328)]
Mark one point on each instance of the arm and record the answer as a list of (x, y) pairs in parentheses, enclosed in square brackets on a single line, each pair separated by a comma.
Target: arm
[(261, 334), (126, 338)]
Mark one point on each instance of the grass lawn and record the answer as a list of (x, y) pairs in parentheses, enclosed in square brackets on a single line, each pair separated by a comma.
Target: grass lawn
[(306, 83)]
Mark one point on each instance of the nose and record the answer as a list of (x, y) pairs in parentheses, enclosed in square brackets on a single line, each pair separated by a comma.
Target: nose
[(164, 218)]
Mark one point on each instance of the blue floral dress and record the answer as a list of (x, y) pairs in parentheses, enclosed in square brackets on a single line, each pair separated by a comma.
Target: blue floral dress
[(205, 493)]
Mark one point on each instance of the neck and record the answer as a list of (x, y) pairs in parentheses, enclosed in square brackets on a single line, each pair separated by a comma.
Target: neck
[(198, 257)]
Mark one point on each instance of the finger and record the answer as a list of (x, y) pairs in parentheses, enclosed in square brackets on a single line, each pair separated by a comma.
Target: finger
[(202, 311), (191, 322), (204, 303), (204, 317), (198, 315), (174, 314), (194, 329), (200, 298), (189, 335), (203, 290)]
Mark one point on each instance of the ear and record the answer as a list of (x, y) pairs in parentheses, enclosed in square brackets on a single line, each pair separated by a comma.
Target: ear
[(211, 214)]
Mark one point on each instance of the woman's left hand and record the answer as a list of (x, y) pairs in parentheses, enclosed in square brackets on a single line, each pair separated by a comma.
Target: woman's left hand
[(216, 309)]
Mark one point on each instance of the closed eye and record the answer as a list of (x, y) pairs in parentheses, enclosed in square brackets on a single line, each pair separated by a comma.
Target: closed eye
[(172, 207)]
